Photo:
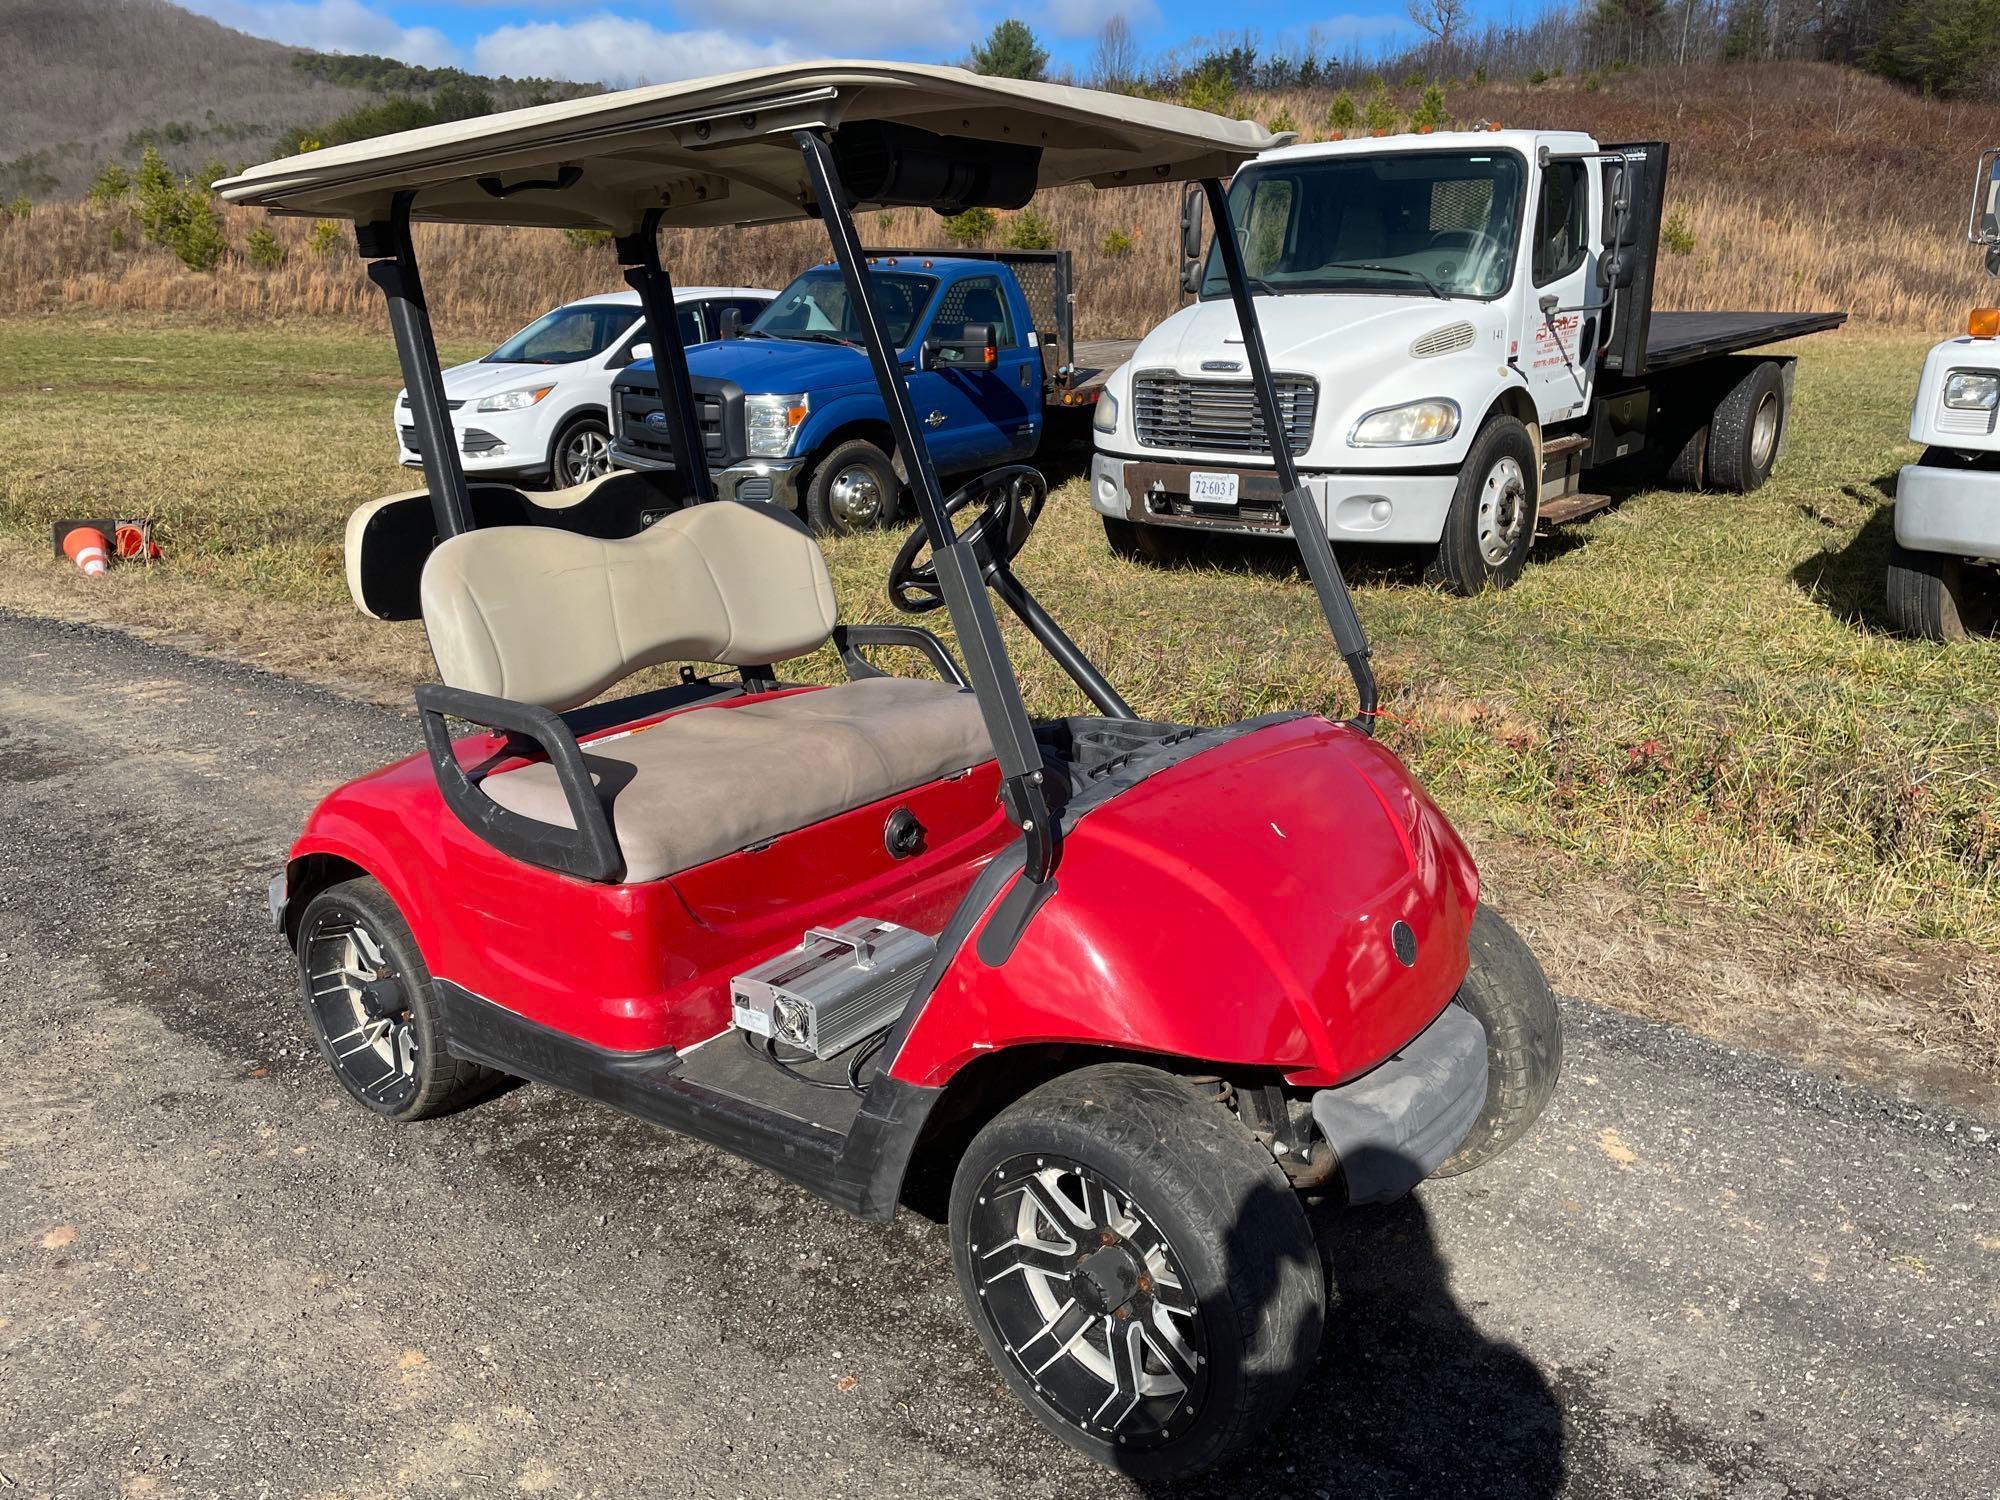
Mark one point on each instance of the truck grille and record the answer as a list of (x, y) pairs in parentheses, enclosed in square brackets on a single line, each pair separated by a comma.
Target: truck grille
[(652, 440), (1220, 416)]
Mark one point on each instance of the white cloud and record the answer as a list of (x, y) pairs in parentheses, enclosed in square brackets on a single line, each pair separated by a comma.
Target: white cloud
[(1086, 18), (612, 49), (331, 26), (859, 28), (1350, 27)]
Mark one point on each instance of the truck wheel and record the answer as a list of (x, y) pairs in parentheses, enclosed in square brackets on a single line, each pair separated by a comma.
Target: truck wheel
[(1749, 424), (1137, 1267), (1508, 993), (1939, 598), (1491, 523), (1142, 543), (1686, 470), (854, 488), (368, 999)]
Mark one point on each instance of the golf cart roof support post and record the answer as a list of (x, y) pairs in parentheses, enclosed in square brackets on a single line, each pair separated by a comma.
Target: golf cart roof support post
[(1308, 527), (392, 265), (639, 254), (960, 576)]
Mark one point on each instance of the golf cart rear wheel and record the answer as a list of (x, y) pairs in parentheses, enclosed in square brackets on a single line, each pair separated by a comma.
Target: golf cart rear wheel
[(1939, 598), (1747, 430), (1491, 523), (1508, 993), (1137, 1267), (368, 1000)]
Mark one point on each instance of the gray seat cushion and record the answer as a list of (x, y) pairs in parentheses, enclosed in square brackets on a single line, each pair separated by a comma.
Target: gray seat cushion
[(713, 780)]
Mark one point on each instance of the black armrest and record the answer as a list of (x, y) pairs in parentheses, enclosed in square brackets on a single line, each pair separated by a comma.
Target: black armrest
[(589, 851), (848, 638)]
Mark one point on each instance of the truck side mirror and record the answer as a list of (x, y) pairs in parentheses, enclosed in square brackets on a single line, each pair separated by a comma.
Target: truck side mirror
[(730, 326), (641, 351), (976, 345), (1191, 224)]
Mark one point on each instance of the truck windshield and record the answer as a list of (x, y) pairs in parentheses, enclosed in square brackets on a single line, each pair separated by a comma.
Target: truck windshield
[(1384, 224), (578, 332), (815, 307)]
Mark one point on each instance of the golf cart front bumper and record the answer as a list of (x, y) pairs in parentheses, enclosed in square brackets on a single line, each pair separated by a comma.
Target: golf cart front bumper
[(1398, 1123), (1355, 507), (1955, 511)]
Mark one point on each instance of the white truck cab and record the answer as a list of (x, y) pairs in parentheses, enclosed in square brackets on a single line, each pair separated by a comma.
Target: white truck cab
[(1942, 582), (1461, 326)]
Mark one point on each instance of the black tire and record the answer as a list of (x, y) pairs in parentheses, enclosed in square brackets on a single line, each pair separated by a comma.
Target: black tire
[(1688, 468), (842, 482), (1508, 993), (1940, 598), (581, 452), (1748, 429), (1491, 524), (1139, 542), (1226, 1236), (399, 1083)]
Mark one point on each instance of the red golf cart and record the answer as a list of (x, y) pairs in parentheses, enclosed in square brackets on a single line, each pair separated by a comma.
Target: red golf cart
[(1129, 987)]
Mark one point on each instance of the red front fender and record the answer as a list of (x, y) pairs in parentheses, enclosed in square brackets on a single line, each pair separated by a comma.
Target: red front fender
[(1239, 908)]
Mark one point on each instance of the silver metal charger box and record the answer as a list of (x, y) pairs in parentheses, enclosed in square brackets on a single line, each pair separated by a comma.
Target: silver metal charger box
[(839, 986)]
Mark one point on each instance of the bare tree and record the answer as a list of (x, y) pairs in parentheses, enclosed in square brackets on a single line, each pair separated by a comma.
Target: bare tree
[(1115, 61), (1441, 20)]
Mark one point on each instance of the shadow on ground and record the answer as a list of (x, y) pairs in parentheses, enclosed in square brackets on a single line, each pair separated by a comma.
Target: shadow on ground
[(1407, 1397), (1846, 578)]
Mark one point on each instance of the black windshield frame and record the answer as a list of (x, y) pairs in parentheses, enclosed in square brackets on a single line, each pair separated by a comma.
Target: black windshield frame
[(1214, 285)]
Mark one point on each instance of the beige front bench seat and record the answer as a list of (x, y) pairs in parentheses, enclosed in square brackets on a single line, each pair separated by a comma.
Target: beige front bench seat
[(554, 619)]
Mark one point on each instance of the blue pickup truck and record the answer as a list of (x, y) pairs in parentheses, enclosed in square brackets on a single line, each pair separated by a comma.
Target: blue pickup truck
[(789, 411)]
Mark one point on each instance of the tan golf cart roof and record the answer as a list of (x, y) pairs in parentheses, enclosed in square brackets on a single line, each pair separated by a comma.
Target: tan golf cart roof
[(717, 151)]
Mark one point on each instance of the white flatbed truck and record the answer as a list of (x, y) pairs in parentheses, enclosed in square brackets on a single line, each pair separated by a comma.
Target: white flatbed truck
[(1463, 333)]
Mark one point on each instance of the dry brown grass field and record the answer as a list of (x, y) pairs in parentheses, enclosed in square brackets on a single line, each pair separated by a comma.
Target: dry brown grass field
[(1794, 186)]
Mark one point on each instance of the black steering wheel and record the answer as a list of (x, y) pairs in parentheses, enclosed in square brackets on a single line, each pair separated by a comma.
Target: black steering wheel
[(1010, 501)]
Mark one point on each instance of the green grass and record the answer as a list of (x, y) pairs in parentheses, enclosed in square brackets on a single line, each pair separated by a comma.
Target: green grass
[(1694, 695)]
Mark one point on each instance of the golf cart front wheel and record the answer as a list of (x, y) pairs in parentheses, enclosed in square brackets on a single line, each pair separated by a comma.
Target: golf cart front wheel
[(1507, 992), (368, 1000), (1137, 1267)]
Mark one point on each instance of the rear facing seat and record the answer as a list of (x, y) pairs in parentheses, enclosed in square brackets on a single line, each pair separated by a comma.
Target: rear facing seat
[(554, 619)]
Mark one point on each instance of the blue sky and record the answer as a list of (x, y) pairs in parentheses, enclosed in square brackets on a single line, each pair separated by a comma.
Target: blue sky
[(622, 42)]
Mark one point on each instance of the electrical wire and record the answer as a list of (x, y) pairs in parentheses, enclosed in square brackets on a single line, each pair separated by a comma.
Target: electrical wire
[(864, 1052)]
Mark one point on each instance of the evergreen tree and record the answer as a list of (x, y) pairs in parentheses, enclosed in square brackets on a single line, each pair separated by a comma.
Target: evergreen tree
[(1010, 51)]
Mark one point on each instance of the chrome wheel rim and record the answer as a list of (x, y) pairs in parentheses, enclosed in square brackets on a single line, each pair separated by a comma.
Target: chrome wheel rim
[(1764, 431), (361, 1008), (855, 496), (1088, 1300), (1503, 512), (586, 455)]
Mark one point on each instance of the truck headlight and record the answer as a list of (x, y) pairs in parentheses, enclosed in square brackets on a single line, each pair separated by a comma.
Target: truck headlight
[(1105, 418), (1407, 426), (512, 400), (1972, 390), (771, 423)]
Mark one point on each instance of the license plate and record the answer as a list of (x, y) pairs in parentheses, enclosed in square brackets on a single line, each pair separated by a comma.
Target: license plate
[(1212, 489)]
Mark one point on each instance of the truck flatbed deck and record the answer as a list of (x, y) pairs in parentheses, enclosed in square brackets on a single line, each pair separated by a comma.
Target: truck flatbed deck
[(1091, 361), (1681, 338)]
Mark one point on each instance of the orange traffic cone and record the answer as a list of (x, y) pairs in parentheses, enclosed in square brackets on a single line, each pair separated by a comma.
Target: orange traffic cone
[(87, 548)]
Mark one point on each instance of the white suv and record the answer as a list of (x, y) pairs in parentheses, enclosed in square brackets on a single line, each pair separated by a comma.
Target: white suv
[(538, 407)]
